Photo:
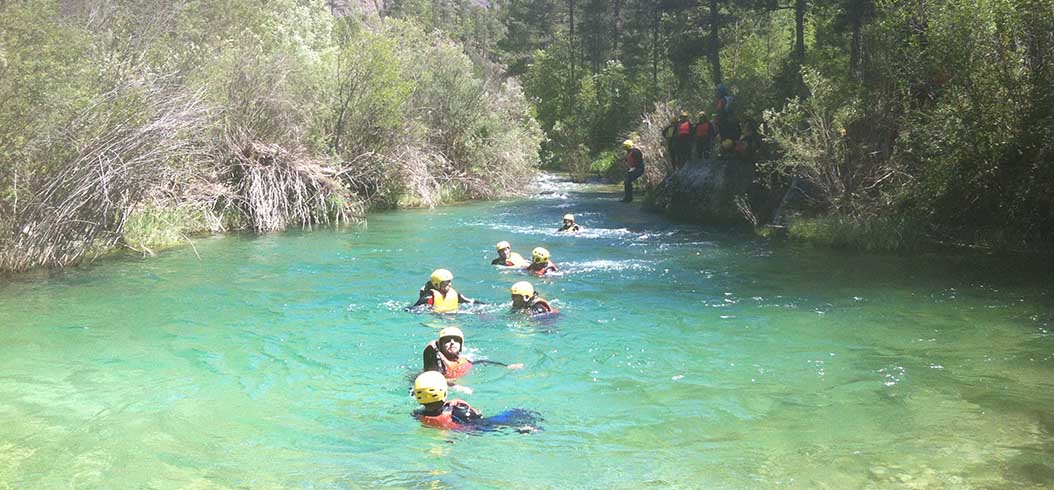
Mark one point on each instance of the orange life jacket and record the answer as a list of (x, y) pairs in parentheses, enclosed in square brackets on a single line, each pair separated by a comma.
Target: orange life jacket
[(684, 128), (444, 420), (703, 130), (451, 369), (543, 303)]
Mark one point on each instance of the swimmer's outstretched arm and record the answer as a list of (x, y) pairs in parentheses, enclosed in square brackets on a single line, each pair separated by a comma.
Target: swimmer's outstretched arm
[(465, 299), (423, 299), (481, 362)]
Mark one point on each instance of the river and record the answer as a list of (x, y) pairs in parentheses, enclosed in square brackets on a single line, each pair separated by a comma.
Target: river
[(684, 357)]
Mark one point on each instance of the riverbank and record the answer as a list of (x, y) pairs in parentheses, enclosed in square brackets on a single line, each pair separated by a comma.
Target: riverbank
[(732, 193), (283, 116)]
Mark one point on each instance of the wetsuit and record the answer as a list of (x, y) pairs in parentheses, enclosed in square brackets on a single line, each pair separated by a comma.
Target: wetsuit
[(574, 228), (704, 139), (537, 306), (460, 416), (456, 414), (682, 144), (635, 164)]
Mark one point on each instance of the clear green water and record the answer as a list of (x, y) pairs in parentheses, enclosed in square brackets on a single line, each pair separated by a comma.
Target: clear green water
[(685, 357)]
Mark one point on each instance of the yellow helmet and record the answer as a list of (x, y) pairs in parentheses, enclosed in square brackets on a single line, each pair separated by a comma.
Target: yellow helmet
[(452, 332), (523, 288), (430, 387), (728, 144), (540, 254), (627, 144), (503, 244), (440, 275), (569, 217), (684, 114)]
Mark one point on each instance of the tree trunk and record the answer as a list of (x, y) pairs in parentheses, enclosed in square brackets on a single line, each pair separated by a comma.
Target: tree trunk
[(655, 50), (715, 44), (799, 32), (572, 81), (616, 14)]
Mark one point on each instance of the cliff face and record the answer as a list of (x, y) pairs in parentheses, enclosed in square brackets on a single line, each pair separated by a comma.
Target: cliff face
[(707, 192)]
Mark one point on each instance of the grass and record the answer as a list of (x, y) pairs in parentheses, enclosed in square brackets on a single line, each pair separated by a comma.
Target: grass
[(156, 227), (873, 235)]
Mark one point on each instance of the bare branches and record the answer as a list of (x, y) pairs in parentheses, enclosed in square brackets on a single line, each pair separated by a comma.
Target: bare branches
[(98, 167)]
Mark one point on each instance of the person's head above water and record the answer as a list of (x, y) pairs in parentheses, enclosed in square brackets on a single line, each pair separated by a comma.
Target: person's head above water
[(522, 292), (441, 279), (451, 341), (430, 387), (504, 249), (569, 219), (539, 254)]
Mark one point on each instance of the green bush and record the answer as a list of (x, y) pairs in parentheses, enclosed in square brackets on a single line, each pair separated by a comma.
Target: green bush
[(258, 116)]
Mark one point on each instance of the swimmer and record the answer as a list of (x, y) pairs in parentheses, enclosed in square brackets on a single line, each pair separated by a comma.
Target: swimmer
[(569, 225), (444, 356), (439, 295), (526, 299), (540, 264), (430, 390), (507, 257)]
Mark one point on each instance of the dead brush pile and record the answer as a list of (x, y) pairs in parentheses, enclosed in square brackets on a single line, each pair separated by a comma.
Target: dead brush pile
[(274, 187), (94, 169)]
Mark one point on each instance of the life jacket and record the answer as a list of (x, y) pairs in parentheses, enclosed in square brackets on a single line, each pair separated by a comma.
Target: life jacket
[(541, 272), (631, 159), (684, 128), (444, 420), (444, 304), (540, 302), (702, 130), (741, 147)]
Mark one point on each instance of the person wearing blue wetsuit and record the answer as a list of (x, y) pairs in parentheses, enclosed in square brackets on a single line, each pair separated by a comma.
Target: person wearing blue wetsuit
[(430, 390)]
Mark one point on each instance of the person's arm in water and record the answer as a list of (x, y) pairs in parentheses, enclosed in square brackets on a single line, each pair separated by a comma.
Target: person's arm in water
[(483, 362), (425, 295), (465, 299)]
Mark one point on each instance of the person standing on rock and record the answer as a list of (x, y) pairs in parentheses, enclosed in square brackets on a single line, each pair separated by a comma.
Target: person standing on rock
[(683, 145), (635, 167)]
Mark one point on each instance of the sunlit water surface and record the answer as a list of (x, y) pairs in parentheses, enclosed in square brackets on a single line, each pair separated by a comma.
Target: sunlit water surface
[(684, 357)]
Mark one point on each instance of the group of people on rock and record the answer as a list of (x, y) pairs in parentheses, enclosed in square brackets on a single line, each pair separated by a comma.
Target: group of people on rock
[(443, 361), (686, 139)]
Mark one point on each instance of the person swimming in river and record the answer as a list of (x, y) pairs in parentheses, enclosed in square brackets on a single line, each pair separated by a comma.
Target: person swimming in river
[(525, 299), (438, 294), (443, 355), (507, 257), (430, 390), (540, 263), (569, 225)]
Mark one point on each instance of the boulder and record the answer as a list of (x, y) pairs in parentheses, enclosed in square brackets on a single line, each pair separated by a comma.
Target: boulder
[(706, 192)]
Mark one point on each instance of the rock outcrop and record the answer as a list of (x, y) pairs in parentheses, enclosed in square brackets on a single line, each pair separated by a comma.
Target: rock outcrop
[(711, 191)]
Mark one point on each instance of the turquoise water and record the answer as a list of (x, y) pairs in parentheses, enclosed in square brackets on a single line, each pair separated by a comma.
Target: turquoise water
[(684, 357)]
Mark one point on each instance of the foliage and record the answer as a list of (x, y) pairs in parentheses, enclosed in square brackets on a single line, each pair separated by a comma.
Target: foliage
[(142, 121), (875, 234)]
